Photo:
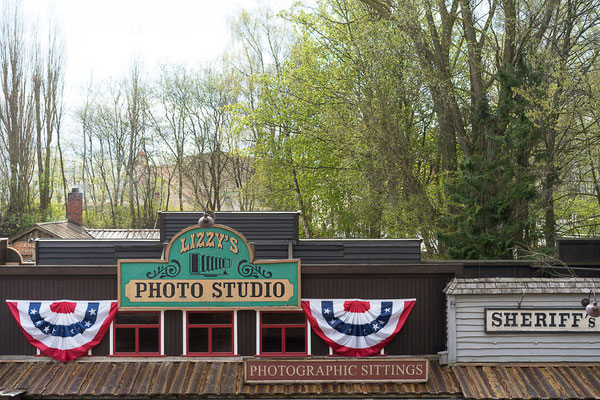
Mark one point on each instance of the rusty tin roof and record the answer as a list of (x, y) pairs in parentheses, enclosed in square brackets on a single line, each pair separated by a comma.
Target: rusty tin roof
[(112, 378), (191, 379), (529, 381)]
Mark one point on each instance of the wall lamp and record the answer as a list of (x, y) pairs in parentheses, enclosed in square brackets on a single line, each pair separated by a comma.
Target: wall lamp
[(591, 309), (206, 221)]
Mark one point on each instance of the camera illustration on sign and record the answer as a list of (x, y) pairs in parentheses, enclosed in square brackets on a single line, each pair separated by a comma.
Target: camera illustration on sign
[(211, 267)]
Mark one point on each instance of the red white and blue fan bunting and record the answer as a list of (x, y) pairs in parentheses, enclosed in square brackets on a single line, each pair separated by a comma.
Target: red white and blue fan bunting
[(64, 329), (357, 328)]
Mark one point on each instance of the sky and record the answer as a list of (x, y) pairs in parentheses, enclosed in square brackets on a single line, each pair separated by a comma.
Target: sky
[(103, 37)]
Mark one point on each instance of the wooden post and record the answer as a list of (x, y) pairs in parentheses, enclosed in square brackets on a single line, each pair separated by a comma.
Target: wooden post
[(3, 247)]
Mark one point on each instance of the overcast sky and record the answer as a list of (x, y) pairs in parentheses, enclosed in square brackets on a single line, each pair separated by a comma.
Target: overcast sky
[(102, 37)]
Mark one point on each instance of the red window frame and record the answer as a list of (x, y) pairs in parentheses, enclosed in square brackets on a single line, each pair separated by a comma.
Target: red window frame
[(210, 327), (137, 327), (283, 328)]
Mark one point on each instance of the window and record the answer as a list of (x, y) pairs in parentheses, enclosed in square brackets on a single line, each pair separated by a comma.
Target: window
[(283, 333), (210, 333), (137, 334)]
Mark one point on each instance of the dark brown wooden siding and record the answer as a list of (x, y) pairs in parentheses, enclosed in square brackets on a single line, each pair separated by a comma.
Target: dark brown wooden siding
[(525, 269), (358, 251), (50, 283), (425, 329), (498, 269), (173, 333), (94, 252), (257, 227), (247, 332), (424, 332), (3, 246), (579, 250)]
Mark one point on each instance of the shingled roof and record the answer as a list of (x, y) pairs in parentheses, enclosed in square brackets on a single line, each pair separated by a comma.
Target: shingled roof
[(191, 379), (176, 379), (521, 285), (57, 229), (545, 381)]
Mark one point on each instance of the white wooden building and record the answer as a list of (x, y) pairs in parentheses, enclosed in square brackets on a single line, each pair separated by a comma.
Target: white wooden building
[(514, 320)]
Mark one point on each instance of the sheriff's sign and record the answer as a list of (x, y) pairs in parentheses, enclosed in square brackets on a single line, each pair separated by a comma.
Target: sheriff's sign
[(208, 268), (539, 320)]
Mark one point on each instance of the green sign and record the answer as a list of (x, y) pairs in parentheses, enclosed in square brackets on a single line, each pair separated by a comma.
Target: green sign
[(208, 268)]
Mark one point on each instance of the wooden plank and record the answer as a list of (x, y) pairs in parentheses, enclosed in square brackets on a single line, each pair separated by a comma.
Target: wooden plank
[(211, 386), (517, 347), (511, 300), (452, 329), (369, 269), (255, 226), (129, 379), (365, 242), (541, 339), (461, 322), (412, 250), (177, 378), (162, 226), (373, 253), (561, 355), (74, 270)]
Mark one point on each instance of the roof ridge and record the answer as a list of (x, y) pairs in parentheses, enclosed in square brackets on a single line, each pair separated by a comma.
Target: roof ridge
[(52, 222)]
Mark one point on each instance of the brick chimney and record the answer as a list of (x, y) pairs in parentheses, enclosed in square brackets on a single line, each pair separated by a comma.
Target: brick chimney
[(75, 207)]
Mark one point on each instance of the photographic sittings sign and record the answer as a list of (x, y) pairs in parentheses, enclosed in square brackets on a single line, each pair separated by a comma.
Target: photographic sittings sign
[(208, 268), (540, 320), (336, 370)]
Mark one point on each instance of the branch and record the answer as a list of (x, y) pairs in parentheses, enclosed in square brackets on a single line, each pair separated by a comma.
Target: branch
[(383, 8)]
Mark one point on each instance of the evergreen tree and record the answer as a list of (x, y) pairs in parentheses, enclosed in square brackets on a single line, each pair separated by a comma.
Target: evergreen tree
[(496, 185)]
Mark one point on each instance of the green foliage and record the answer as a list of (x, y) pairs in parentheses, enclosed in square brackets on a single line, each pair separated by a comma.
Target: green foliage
[(343, 131), (474, 130), (14, 223), (493, 192)]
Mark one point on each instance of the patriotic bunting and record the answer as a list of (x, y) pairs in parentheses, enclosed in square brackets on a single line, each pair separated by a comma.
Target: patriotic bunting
[(63, 330), (357, 328)]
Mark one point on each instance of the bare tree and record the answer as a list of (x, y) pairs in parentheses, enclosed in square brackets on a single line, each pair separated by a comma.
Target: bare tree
[(106, 149), (169, 119), (263, 46), (210, 125), (48, 83), (136, 105), (16, 111)]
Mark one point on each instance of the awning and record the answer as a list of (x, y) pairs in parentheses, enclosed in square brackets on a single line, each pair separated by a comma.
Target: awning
[(224, 379), (529, 381), (187, 379)]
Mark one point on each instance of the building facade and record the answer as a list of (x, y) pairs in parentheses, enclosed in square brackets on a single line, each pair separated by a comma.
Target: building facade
[(177, 350)]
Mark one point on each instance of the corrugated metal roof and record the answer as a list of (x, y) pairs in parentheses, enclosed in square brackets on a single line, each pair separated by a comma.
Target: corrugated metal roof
[(153, 234), (185, 379), (521, 285), (529, 382)]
